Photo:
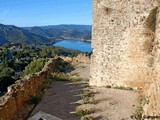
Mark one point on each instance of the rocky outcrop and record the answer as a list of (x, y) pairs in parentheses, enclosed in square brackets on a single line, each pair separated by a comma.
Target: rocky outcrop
[(125, 41), (18, 93)]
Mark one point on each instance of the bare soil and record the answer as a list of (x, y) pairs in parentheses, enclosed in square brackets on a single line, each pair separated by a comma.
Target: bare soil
[(112, 104), (62, 99)]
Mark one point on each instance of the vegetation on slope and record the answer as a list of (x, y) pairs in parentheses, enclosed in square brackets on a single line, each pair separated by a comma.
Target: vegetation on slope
[(35, 66), (43, 35), (82, 32), (13, 34), (17, 60)]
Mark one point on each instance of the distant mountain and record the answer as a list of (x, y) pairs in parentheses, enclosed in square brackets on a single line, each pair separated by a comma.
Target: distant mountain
[(80, 32), (43, 34), (13, 34)]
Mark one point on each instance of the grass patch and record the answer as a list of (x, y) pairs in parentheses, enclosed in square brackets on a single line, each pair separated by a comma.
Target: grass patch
[(93, 101), (138, 114), (143, 100), (123, 88), (139, 111), (60, 77), (119, 87), (83, 112), (88, 118), (86, 96), (64, 77), (73, 74)]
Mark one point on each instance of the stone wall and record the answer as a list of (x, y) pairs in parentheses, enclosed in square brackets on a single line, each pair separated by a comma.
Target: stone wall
[(125, 41), (80, 58), (152, 110), (18, 93)]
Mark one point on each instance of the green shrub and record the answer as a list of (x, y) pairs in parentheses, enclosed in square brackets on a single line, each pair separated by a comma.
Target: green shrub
[(35, 66), (7, 71), (61, 66)]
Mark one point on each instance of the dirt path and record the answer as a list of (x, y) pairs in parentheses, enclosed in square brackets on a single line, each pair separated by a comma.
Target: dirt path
[(60, 100), (64, 97), (112, 104)]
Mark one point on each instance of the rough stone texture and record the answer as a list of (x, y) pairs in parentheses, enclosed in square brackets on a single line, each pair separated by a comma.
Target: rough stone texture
[(18, 93), (125, 41), (152, 110)]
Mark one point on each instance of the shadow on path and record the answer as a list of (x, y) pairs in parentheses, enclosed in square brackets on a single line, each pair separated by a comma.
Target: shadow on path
[(60, 100)]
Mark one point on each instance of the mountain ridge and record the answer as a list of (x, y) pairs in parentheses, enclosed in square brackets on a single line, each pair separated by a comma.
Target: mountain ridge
[(13, 34), (81, 32), (43, 34)]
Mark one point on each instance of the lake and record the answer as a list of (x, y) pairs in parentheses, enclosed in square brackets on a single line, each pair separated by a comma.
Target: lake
[(75, 44)]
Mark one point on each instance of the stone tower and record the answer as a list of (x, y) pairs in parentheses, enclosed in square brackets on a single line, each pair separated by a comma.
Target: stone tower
[(123, 41), (126, 47)]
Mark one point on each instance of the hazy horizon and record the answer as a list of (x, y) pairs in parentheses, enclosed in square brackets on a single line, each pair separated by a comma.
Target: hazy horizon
[(29, 13), (47, 25)]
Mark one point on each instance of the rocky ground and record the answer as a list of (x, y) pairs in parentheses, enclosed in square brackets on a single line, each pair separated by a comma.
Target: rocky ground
[(76, 100)]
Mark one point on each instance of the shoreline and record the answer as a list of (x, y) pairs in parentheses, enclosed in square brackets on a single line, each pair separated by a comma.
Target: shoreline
[(68, 38), (82, 46)]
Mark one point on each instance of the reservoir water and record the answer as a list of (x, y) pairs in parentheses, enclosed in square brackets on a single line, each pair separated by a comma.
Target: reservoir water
[(75, 44)]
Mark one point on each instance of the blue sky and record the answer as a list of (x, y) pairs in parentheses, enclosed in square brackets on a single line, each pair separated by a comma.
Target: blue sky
[(45, 12)]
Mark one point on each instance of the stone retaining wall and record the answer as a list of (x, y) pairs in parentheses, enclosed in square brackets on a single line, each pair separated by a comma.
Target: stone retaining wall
[(18, 93)]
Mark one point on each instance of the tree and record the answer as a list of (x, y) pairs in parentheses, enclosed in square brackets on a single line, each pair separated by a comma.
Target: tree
[(35, 66), (7, 71)]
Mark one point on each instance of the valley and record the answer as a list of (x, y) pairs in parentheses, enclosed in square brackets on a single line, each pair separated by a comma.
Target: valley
[(43, 35)]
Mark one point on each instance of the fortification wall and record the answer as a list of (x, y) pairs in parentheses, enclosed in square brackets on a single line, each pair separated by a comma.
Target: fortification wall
[(125, 41), (18, 93), (122, 41)]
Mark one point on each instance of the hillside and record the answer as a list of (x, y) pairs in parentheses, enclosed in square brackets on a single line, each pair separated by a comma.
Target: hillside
[(80, 32), (10, 33), (43, 34)]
